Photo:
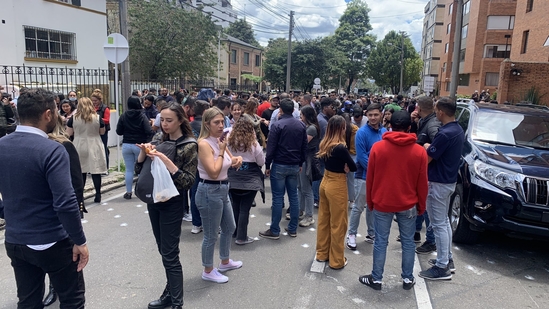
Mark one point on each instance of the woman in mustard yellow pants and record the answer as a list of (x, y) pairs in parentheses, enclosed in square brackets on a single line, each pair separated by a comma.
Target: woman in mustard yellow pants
[(332, 211)]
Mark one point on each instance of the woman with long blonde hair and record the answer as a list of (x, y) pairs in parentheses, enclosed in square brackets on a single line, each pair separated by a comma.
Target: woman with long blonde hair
[(87, 127), (212, 195), (332, 210)]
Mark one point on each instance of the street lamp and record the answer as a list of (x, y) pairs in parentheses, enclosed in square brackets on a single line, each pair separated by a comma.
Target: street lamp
[(401, 60)]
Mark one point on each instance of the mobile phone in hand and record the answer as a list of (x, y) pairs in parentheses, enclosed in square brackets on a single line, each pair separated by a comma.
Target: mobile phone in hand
[(222, 138)]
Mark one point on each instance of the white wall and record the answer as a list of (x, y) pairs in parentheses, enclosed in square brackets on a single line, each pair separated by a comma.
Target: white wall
[(90, 29)]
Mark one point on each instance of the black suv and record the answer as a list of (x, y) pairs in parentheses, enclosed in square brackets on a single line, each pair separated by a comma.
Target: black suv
[(504, 174)]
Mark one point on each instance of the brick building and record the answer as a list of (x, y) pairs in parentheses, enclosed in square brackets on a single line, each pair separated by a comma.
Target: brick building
[(528, 65), (239, 58), (487, 39)]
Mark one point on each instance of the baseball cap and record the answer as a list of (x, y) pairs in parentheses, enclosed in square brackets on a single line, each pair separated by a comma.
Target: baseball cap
[(401, 119)]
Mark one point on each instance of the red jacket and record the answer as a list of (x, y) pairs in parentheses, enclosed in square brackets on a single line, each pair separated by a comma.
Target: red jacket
[(396, 179)]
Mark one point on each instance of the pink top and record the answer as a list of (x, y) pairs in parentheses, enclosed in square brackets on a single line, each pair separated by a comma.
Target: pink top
[(226, 161), (254, 155)]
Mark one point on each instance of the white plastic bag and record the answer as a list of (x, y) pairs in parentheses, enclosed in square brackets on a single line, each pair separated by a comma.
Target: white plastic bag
[(164, 188)]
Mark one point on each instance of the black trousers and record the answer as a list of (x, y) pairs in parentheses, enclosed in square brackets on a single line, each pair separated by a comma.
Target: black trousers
[(104, 139), (242, 200), (30, 267), (166, 219)]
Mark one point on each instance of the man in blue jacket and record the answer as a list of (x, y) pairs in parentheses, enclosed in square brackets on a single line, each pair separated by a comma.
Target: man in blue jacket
[(43, 229), (364, 140)]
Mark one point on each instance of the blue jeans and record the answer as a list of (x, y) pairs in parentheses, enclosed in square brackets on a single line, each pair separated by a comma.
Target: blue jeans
[(358, 208), (130, 152), (284, 177), (438, 200), (197, 221), (406, 226), (429, 235), (305, 192), (316, 184), (212, 200)]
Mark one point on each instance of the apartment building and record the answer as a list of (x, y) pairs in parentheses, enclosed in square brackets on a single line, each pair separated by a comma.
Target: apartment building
[(431, 42), (486, 40), (528, 65)]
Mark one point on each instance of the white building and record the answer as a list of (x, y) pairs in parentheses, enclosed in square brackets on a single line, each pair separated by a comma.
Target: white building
[(56, 33), (221, 11)]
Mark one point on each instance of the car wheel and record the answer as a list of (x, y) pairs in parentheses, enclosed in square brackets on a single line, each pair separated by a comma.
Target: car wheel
[(461, 228)]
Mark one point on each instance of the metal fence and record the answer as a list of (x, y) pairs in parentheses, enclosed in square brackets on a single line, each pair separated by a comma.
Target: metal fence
[(85, 80)]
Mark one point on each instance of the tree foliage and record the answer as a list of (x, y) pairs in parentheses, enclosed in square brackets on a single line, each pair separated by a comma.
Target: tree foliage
[(243, 31), (353, 39), (167, 41), (384, 62)]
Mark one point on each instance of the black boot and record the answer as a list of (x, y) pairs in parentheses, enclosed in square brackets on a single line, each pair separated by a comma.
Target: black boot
[(97, 198), (164, 301), (176, 307), (50, 298)]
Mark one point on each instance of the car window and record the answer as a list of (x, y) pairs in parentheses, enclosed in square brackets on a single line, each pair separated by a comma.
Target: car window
[(511, 128), (463, 118)]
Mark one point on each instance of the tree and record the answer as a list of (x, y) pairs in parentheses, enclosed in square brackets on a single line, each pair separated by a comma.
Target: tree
[(384, 62), (353, 39), (167, 41), (243, 31), (274, 65)]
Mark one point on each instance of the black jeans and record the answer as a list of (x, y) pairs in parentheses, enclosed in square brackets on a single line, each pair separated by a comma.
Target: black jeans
[(30, 267), (166, 219), (241, 201)]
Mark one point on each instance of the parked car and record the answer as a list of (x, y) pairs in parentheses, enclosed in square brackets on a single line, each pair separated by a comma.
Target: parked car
[(504, 174)]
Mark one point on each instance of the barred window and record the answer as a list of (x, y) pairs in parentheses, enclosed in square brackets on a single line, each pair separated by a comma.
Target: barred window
[(49, 44)]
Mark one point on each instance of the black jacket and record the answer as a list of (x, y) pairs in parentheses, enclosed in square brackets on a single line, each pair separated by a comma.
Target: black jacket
[(427, 129), (135, 127)]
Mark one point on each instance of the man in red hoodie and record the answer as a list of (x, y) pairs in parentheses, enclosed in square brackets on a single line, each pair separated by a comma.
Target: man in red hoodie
[(397, 164)]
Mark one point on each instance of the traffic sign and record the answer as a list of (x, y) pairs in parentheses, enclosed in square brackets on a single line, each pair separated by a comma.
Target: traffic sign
[(116, 48), (317, 81)]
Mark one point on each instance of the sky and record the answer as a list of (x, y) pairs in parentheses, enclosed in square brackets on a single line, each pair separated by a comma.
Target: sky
[(319, 18)]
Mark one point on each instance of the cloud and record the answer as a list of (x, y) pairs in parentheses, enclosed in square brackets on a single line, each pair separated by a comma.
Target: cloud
[(270, 18)]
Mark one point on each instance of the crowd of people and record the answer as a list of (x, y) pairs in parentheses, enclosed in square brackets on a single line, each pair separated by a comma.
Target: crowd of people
[(332, 152)]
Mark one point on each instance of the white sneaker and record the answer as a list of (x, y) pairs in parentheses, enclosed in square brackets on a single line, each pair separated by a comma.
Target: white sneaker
[(188, 217), (214, 276), (196, 229), (351, 242), (307, 221)]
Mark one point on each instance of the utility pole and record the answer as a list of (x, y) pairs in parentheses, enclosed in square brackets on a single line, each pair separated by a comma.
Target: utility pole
[(401, 62), (458, 4), (125, 66), (289, 63)]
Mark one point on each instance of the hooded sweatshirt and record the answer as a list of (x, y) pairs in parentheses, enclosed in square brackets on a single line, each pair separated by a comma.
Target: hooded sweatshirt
[(396, 179), (135, 127)]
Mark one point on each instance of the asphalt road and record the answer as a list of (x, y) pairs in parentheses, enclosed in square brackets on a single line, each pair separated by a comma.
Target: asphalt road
[(125, 269)]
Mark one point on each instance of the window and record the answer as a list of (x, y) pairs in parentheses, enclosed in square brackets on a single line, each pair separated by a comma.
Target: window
[(49, 44), (497, 51), (464, 31), (501, 23), (448, 28), (233, 55), (73, 2), (529, 6), (462, 55), (463, 80), (463, 119), (451, 8), (444, 67), (492, 79), (246, 58), (446, 47), (466, 8), (257, 60), (524, 46)]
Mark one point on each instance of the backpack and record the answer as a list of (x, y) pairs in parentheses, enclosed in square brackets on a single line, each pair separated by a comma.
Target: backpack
[(145, 181)]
